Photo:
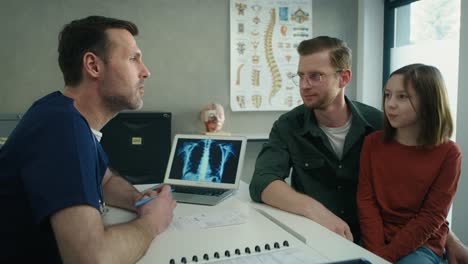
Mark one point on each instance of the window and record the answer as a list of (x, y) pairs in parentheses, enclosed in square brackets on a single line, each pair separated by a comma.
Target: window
[(428, 32)]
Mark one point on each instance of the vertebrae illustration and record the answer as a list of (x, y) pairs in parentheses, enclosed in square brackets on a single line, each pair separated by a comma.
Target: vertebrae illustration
[(274, 70)]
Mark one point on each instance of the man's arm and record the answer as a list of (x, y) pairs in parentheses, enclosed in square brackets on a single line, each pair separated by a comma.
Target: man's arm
[(267, 185), (82, 237), (457, 252), (281, 195), (118, 192)]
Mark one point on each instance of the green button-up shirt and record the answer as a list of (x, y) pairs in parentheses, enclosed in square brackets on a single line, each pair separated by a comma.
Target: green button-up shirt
[(297, 141)]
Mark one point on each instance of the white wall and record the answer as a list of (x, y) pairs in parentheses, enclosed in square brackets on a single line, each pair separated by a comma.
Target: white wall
[(460, 205), (185, 45), (370, 52)]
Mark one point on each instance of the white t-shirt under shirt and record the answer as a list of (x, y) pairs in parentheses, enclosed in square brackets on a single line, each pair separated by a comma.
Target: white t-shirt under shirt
[(97, 134), (337, 136)]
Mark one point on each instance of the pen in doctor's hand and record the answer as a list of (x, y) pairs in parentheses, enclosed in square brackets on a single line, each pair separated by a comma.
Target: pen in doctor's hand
[(147, 199), (144, 201)]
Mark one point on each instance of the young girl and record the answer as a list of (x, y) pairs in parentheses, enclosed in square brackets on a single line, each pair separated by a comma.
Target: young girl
[(409, 171)]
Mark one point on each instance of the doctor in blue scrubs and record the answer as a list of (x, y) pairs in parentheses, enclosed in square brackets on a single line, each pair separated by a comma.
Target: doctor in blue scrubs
[(54, 178)]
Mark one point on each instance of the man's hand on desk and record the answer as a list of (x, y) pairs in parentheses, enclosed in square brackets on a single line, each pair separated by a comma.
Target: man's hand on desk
[(281, 195), (158, 213), (332, 222)]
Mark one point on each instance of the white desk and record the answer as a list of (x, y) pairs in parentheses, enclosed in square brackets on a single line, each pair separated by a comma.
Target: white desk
[(316, 236), (175, 244), (319, 241)]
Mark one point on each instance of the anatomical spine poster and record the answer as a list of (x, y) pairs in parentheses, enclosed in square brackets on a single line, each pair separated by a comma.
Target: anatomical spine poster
[(264, 39)]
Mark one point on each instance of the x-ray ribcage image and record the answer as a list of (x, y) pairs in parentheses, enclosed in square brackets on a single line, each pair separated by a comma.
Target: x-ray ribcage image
[(206, 160)]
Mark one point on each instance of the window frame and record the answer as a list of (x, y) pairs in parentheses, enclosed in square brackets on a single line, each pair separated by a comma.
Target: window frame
[(389, 33)]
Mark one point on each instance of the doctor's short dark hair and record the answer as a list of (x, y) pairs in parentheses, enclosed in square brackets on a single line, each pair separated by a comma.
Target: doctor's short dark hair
[(86, 35)]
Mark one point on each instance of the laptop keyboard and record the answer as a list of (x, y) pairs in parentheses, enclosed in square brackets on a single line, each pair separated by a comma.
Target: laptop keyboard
[(197, 190)]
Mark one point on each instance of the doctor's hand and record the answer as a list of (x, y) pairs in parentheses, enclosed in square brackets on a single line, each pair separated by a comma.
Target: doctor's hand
[(158, 213), (153, 191)]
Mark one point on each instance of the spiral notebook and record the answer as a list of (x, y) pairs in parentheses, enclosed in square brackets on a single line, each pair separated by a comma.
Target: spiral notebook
[(274, 253)]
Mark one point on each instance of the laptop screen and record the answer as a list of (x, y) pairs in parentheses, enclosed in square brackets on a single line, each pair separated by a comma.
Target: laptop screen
[(211, 161)]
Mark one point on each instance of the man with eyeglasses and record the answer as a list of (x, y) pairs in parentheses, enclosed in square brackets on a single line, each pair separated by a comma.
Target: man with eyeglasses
[(321, 141)]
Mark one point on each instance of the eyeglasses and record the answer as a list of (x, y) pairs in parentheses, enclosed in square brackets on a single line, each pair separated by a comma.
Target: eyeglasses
[(311, 77)]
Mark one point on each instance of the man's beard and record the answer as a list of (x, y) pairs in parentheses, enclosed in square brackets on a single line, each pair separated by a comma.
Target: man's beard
[(322, 103), (118, 103), (319, 105)]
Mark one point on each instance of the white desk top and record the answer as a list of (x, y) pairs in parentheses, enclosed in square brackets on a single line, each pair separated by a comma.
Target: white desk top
[(316, 236), (183, 239), (320, 241)]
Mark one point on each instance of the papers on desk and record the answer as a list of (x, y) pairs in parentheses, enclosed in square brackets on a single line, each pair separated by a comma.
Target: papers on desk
[(208, 220), (232, 232)]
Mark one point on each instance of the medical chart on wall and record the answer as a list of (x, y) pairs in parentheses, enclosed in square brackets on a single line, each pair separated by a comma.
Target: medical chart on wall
[(264, 38)]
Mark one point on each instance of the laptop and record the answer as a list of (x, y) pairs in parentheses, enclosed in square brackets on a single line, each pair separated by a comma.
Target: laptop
[(205, 169)]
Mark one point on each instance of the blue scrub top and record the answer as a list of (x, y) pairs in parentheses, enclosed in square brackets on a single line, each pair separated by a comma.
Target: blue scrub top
[(51, 161)]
